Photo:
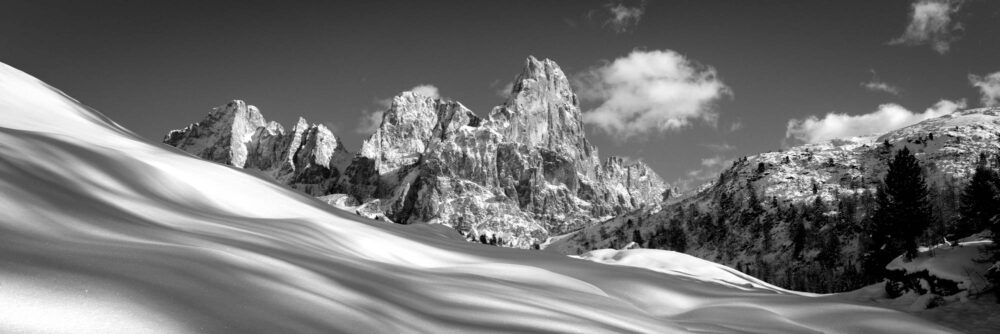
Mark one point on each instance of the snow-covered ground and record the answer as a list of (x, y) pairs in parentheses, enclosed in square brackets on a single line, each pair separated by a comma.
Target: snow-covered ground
[(680, 264), (972, 310), (104, 232), (961, 263)]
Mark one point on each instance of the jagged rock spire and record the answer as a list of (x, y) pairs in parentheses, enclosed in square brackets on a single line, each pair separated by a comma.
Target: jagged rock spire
[(237, 134), (525, 171), (233, 123), (543, 76), (409, 126), (543, 111)]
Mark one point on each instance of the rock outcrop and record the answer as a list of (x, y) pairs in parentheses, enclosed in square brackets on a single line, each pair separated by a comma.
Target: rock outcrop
[(524, 172), (309, 157)]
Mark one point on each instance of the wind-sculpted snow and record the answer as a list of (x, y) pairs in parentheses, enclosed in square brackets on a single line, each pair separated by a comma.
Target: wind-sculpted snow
[(102, 232), (681, 264)]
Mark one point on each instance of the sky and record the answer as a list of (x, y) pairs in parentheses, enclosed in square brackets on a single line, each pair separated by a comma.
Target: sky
[(685, 86)]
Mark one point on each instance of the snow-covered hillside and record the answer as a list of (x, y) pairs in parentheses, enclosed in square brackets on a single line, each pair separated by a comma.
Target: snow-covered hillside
[(945, 283), (103, 232), (795, 217)]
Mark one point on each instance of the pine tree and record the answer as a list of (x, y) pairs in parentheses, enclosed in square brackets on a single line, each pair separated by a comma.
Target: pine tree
[(797, 235), (903, 212), (753, 203), (637, 237), (817, 211), (979, 200), (676, 239)]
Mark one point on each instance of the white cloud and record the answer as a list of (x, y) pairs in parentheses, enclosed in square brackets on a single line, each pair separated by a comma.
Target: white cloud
[(426, 90), (372, 119), (504, 91), (931, 24), (711, 167), (735, 126), (713, 161), (879, 86), (719, 147), (888, 117), (650, 91), (876, 85), (624, 18), (989, 87)]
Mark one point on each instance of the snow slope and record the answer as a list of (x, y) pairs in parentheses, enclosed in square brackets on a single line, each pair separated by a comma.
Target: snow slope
[(103, 232), (971, 309), (962, 264), (680, 264)]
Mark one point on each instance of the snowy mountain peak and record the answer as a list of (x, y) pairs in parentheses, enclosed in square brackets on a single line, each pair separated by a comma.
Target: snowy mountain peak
[(524, 172)]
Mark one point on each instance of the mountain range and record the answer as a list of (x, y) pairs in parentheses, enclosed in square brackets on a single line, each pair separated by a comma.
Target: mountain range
[(524, 172), (527, 173), (104, 231)]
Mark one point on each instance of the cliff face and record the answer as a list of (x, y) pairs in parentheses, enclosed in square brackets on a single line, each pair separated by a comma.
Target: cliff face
[(524, 172), (309, 157)]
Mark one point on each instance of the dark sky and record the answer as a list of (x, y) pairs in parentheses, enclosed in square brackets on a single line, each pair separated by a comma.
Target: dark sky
[(158, 65)]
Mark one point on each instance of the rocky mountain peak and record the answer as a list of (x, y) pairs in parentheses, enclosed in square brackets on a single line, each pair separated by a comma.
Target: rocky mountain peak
[(543, 76), (524, 172), (406, 128), (543, 111), (237, 134), (222, 135)]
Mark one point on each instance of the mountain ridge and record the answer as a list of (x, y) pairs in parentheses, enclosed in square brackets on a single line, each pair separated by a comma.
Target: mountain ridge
[(525, 171), (796, 217)]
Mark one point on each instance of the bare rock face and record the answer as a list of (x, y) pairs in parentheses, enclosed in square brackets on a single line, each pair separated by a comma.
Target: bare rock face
[(524, 172), (309, 157), (222, 136)]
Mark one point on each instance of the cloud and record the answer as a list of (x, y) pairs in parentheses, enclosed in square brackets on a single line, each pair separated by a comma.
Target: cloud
[(931, 24), (735, 126), (569, 22), (504, 90), (711, 167), (371, 119), (713, 161), (989, 87), (719, 147), (650, 91), (426, 90), (624, 18), (876, 85), (888, 117), (879, 86)]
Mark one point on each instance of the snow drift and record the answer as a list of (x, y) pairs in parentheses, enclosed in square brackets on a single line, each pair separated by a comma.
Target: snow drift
[(104, 232)]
